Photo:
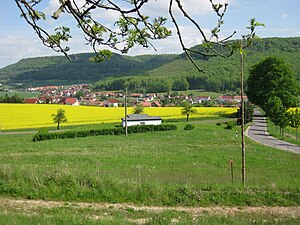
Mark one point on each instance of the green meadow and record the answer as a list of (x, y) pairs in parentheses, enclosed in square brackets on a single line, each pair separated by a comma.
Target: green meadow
[(22, 94), (172, 168)]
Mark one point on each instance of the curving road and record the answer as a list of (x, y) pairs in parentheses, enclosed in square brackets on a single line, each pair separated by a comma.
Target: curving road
[(258, 132)]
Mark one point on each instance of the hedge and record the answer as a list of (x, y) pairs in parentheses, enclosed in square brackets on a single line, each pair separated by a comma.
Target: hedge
[(42, 136)]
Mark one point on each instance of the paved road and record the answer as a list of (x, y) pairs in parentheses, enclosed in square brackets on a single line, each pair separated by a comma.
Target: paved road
[(258, 132)]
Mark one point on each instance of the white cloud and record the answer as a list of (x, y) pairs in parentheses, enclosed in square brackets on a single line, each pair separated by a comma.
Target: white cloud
[(15, 48), (54, 5), (285, 15), (192, 7), (171, 45)]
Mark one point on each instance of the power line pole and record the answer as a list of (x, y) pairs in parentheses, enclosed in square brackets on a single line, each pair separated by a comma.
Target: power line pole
[(243, 122), (126, 130)]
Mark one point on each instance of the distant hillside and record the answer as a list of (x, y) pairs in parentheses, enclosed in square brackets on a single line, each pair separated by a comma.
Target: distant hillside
[(221, 73), (57, 69), (174, 72)]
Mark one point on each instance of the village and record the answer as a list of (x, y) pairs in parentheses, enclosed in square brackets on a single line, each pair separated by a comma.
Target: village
[(82, 94)]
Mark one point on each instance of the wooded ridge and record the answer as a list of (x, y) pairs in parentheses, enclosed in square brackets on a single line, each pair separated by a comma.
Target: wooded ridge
[(150, 72)]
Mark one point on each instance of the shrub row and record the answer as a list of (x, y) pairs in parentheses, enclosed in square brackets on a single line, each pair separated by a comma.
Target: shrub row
[(149, 128), (42, 136)]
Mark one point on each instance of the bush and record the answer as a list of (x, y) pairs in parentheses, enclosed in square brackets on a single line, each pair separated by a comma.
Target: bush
[(189, 127), (218, 124), (230, 125), (112, 131)]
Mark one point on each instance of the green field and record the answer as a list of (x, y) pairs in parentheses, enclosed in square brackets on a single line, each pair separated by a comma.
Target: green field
[(173, 168), (200, 93), (21, 94)]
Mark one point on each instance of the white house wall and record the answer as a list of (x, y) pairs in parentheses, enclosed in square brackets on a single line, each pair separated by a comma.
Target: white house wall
[(135, 123)]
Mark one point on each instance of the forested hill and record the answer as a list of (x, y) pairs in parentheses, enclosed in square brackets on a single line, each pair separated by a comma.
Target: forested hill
[(151, 72), (58, 69)]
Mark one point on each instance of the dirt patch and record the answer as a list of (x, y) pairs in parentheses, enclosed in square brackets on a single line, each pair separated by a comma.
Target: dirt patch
[(292, 212)]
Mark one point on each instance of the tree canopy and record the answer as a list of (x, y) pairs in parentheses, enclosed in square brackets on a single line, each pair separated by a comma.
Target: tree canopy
[(138, 109), (272, 77), (59, 117), (187, 110)]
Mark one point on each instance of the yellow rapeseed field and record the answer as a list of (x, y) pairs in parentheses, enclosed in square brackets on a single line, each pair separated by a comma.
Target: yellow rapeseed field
[(18, 116)]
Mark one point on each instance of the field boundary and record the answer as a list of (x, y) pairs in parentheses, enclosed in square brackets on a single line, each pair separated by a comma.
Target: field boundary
[(293, 211)]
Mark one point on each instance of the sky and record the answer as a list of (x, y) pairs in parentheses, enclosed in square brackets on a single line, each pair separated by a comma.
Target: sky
[(281, 18)]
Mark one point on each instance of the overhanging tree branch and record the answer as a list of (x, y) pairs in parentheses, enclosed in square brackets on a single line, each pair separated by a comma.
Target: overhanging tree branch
[(31, 17), (132, 28)]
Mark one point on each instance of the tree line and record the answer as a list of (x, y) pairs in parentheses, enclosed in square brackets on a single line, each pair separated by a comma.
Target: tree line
[(13, 99), (272, 85), (148, 84)]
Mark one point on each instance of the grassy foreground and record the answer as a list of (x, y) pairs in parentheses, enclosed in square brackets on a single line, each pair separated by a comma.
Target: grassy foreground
[(176, 168)]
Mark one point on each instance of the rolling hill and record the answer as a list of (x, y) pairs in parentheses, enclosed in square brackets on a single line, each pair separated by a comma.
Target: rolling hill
[(173, 72)]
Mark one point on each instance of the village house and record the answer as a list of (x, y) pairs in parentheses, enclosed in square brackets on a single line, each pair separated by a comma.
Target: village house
[(90, 97), (72, 101), (150, 104), (238, 98), (91, 103), (136, 95), (141, 119), (203, 98), (225, 99), (145, 104), (111, 103), (31, 100), (45, 100), (155, 104), (148, 99), (57, 99)]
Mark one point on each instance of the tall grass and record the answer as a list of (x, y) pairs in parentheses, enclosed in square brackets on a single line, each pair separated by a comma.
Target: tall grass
[(176, 168)]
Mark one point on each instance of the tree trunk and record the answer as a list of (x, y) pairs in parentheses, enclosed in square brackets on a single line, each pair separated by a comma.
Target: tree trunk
[(58, 126), (242, 125), (187, 118)]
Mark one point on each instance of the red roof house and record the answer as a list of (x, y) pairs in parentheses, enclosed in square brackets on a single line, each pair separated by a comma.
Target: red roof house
[(111, 103), (31, 100), (72, 101), (156, 104), (238, 98), (225, 98), (145, 104)]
